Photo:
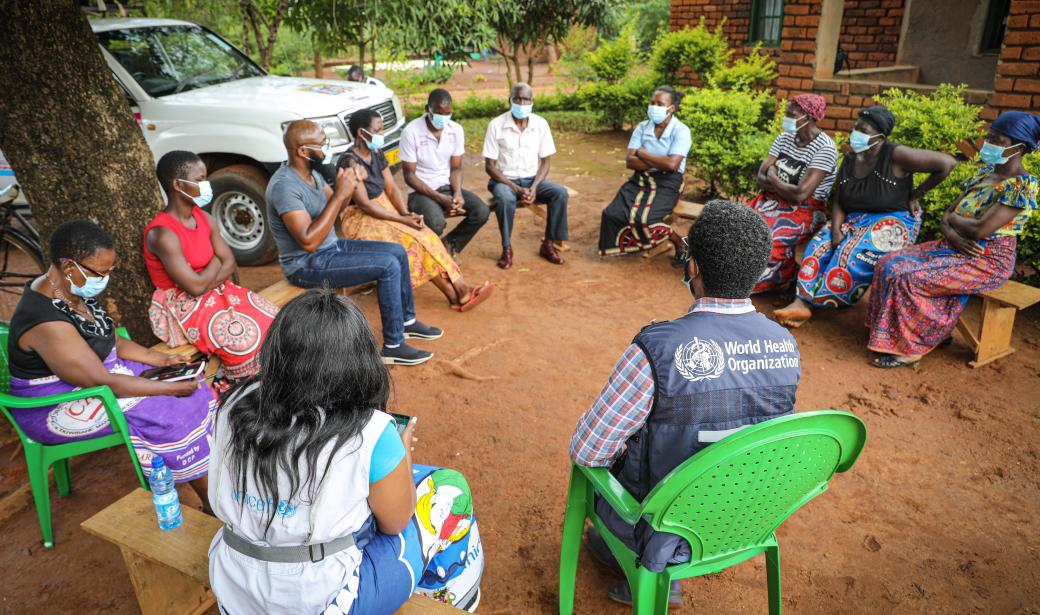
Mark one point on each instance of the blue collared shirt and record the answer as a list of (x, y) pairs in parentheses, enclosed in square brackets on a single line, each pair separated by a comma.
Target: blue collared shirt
[(674, 141)]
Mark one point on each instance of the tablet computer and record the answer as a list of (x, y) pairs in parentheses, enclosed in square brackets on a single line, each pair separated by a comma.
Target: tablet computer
[(173, 373)]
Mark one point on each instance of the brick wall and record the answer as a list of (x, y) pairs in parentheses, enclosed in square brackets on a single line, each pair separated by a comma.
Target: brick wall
[(870, 32), (1017, 84)]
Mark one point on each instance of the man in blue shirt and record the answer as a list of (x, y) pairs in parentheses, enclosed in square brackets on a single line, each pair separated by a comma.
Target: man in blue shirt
[(634, 220), (302, 211)]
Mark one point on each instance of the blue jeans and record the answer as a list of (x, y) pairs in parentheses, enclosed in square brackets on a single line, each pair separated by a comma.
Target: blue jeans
[(351, 262), (553, 195)]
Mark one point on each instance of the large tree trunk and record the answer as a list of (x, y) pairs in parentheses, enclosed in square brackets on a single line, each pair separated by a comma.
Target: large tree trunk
[(361, 54), (70, 137), (530, 64)]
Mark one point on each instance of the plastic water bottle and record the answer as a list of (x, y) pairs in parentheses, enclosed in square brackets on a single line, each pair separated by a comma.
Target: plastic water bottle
[(164, 495)]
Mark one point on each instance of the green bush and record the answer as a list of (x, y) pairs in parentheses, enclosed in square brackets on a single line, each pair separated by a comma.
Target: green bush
[(937, 122), (700, 49), (613, 60), (1029, 240), (753, 72), (732, 131), (618, 104)]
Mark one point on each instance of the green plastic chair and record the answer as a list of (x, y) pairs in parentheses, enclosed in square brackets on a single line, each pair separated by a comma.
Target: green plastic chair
[(40, 457), (726, 501)]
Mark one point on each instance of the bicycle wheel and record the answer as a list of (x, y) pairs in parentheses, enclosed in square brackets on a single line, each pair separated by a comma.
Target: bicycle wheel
[(21, 260)]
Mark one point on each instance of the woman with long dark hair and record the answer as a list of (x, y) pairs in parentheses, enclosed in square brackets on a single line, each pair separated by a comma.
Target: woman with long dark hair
[(317, 489)]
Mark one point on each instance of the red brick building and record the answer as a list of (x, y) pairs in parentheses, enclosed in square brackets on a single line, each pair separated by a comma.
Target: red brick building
[(993, 46)]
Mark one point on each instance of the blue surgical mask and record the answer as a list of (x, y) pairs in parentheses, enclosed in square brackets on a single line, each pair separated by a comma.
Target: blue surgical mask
[(521, 112), (790, 124), (92, 287), (205, 192), (439, 121), (860, 141), (376, 142), (994, 154), (657, 114)]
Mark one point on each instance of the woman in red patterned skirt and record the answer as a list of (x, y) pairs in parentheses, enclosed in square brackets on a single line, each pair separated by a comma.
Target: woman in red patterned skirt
[(796, 179), (919, 292), (190, 265)]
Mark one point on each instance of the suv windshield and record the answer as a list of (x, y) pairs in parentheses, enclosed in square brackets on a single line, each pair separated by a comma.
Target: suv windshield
[(171, 59)]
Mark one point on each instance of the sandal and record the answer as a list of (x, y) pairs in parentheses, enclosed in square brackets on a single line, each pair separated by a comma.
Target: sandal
[(476, 297), (890, 361)]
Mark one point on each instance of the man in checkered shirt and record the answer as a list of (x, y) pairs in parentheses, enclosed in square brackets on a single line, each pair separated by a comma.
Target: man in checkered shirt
[(684, 384)]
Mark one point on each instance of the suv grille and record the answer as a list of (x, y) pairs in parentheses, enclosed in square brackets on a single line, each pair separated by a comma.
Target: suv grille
[(386, 111)]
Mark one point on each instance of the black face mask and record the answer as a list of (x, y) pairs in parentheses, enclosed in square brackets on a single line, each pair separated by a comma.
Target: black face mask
[(316, 159)]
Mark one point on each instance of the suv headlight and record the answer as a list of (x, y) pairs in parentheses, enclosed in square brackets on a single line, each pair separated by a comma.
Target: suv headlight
[(333, 128)]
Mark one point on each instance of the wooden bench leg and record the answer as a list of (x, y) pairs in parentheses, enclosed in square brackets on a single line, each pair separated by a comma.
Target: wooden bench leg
[(163, 591), (996, 322)]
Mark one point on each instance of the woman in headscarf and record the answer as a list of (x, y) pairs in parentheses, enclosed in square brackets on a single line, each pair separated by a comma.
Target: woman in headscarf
[(875, 211), (919, 292), (796, 179)]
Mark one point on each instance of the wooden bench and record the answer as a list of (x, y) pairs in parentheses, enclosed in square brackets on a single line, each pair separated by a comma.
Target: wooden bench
[(279, 293), (539, 210), (680, 219), (170, 569), (988, 329)]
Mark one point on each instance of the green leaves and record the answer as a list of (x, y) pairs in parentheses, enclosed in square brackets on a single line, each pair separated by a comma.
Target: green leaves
[(732, 131), (700, 49), (937, 122)]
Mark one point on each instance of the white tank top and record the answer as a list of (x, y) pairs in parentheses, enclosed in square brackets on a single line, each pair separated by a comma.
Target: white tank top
[(340, 507)]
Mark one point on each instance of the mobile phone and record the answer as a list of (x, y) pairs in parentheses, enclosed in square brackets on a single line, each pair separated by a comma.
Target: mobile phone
[(173, 373), (401, 421)]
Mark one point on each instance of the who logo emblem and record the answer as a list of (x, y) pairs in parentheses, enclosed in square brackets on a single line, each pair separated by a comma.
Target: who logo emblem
[(699, 360)]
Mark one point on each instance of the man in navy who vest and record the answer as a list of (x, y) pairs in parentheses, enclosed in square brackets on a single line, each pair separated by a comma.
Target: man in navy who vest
[(684, 384)]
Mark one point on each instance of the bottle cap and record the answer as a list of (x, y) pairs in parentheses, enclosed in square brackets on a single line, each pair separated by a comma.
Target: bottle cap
[(157, 462)]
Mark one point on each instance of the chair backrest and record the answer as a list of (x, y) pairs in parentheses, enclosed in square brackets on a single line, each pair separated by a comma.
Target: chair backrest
[(732, 495), (5, 371)]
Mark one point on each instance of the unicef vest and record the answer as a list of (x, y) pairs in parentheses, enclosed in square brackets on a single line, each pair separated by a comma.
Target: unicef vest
[(713, 374)]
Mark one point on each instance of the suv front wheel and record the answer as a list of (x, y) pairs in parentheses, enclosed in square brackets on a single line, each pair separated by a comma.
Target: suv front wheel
[(239, 209)]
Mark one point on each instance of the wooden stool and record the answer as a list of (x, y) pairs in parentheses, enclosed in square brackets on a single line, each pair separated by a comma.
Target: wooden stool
[(170, 569), (989, 333)]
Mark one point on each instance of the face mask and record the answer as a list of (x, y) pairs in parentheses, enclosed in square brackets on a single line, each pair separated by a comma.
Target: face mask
[(92, 287), (860, 141), (205, 192), (994, 154), (375, 143), (316, 162), (521, 112), (439, 121), (656, 113), (790, 124)]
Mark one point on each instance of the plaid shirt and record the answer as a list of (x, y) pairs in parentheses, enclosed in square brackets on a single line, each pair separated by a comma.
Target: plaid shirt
[(626, 400)]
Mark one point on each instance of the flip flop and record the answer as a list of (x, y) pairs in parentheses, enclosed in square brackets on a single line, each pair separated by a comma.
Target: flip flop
[(889, 362), (476, 297)]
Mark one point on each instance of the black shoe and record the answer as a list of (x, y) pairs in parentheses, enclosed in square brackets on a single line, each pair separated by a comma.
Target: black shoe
[(418, 330), (405, 355)]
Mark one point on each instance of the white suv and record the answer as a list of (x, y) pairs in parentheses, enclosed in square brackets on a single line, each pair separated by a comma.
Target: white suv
[(192, 90)]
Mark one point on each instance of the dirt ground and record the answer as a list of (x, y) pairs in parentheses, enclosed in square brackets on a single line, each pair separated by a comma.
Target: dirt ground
[(938, 516)]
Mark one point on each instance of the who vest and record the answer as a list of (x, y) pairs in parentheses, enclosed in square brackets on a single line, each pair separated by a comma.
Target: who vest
[(713, 374)]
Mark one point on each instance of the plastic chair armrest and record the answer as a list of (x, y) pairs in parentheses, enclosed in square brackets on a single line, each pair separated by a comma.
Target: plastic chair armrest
[(102, 391), (122, 332), (614, 493)]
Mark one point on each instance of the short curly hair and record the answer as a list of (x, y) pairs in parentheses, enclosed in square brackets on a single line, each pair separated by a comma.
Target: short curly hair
[(730, 244), (174, 165), (78, 240), (361, 119)]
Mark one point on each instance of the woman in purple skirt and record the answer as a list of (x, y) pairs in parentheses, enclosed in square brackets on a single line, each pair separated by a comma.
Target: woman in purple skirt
[(61, 339)]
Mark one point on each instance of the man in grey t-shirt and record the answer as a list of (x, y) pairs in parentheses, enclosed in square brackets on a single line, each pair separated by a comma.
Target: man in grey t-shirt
[(302, 211)]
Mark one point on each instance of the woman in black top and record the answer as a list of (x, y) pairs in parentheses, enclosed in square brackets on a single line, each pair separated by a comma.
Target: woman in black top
[(875, 210), (62, 339), (379, 213)]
